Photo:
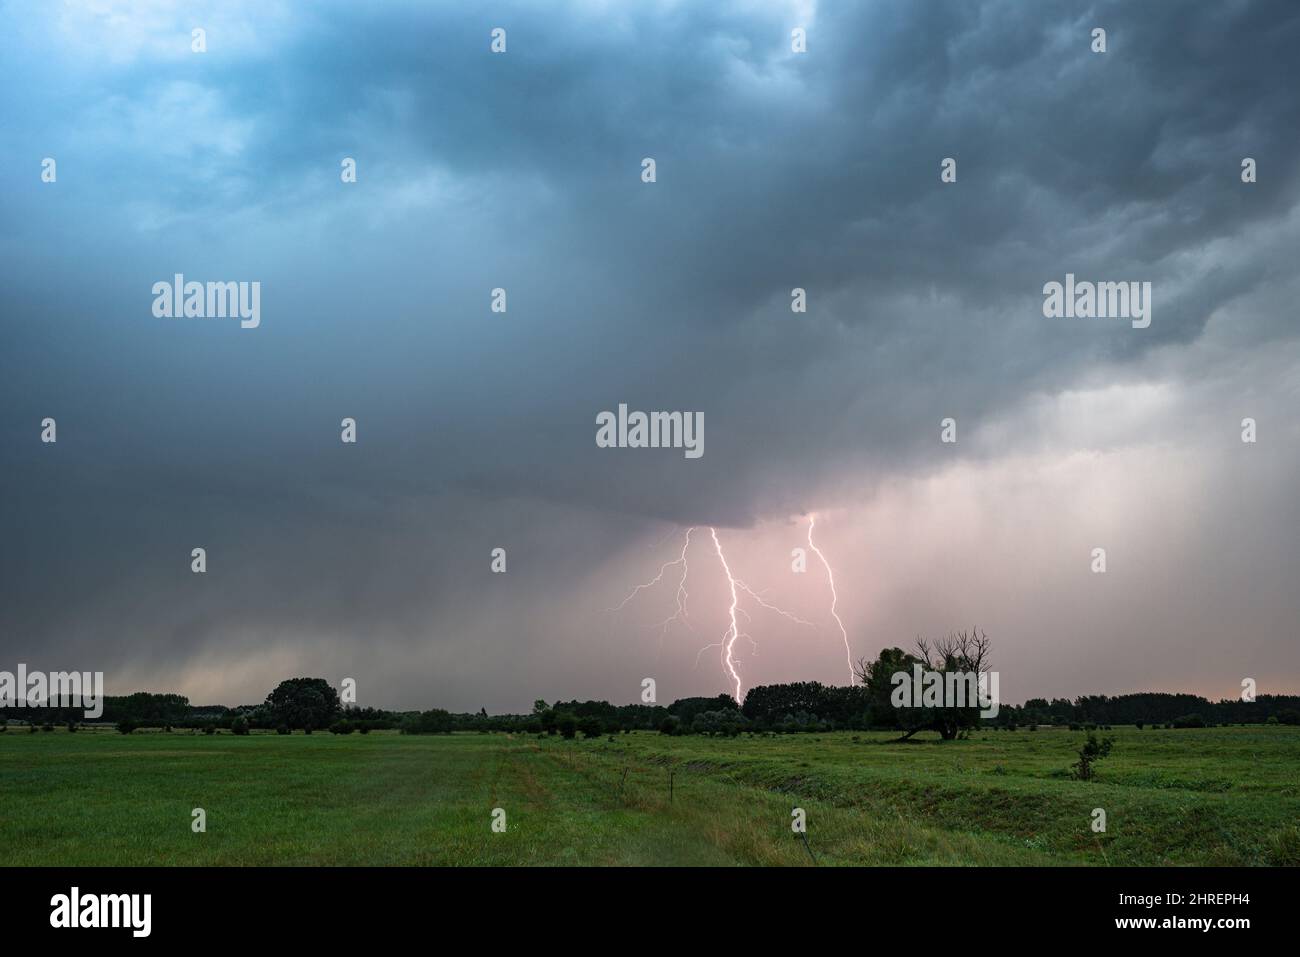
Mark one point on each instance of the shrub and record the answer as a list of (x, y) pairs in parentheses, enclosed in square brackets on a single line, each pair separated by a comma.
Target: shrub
[(283, 729), (126, 726), (1189, 721), (1272, 719), (1090, 753), (72, 727), (239, 725), (568, 726), (210, 728), (341, 727)]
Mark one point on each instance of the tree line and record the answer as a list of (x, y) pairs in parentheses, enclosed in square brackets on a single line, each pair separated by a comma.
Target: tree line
[(313, 705)]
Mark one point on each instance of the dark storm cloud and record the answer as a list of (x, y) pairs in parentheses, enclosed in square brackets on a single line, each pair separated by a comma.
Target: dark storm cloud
[(522, 170)]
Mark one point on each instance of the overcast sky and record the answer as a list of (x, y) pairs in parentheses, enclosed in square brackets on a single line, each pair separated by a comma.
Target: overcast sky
[(476, 430)]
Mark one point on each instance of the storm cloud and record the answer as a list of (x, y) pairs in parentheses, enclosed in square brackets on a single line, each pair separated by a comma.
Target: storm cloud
[(775, 170)]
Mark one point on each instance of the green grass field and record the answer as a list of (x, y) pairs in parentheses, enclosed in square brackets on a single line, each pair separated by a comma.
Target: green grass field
[(1222, 796)]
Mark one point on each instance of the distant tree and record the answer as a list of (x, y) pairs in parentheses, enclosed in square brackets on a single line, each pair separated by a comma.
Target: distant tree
[(239, 725), (591, 727), (1189, 721), (303, 703), (434, 721), (568, 725), (126, 726)]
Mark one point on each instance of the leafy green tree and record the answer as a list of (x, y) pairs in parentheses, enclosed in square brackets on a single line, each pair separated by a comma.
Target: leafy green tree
[(303, 703)]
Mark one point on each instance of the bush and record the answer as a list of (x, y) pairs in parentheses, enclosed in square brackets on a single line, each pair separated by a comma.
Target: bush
[(210, 728), (568, 726), (283, 729), (670, 725), (72, 727), (341, 727), (126, 726), (239, 725), (1189, 721), (1090, 753), (1273, 719)]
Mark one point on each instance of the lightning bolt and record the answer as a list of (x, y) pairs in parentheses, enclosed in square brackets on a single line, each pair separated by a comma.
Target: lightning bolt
[(734, 609), (830, 577), (733, 632), (680, 614)]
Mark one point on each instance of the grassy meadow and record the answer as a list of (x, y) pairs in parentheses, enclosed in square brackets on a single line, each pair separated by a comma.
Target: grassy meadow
[(1219, 796)]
